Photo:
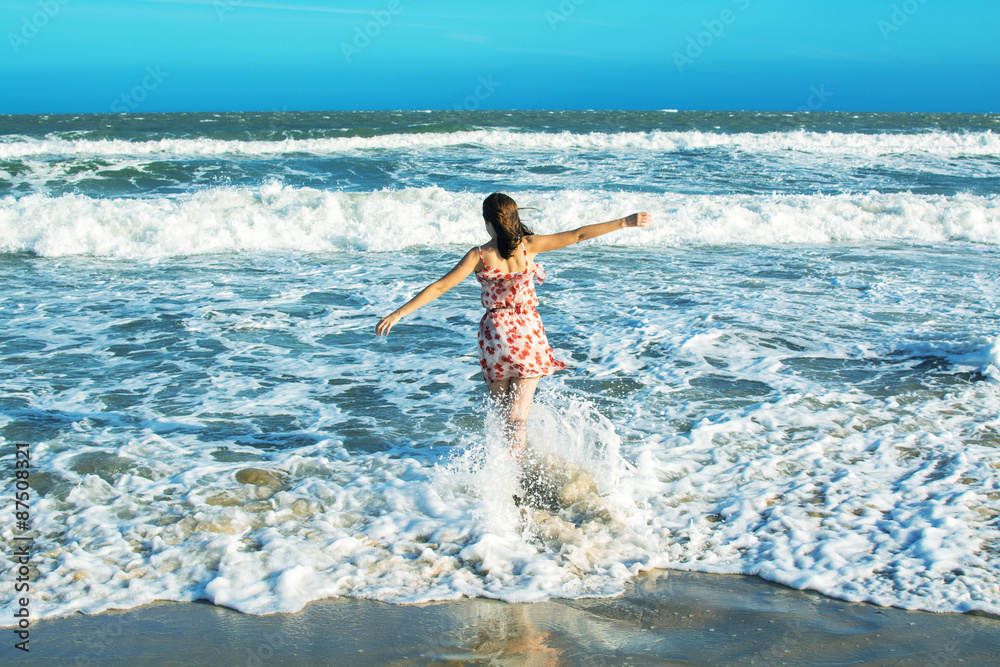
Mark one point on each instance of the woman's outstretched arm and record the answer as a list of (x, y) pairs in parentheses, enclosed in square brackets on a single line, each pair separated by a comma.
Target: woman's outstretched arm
[(545, 242), (431, 292)]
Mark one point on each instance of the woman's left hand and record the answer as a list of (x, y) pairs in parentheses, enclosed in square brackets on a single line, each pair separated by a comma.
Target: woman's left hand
[(638, 220), (386, 323)]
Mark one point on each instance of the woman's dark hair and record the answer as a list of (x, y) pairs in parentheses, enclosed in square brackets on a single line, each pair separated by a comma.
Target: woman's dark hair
[(501, 211)]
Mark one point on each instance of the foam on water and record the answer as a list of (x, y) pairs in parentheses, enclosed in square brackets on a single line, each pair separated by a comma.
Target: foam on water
[(226, 428), (931, 142), (922, 154), (161, 518), (793, 372), (282, 218)]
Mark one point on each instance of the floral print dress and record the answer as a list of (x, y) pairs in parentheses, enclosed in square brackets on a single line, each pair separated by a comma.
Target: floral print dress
[(512, 342)]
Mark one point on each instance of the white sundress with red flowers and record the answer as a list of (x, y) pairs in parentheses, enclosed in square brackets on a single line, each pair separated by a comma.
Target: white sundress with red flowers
[(512, 342)]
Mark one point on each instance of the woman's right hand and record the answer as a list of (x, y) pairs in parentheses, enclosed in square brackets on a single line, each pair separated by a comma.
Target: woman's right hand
[(386, 323), (638, 220)]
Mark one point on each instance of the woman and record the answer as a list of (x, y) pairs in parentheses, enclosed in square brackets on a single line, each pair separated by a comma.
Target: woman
[(513, 351)]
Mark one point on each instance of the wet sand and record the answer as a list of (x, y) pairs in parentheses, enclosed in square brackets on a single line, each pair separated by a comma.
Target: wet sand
[(664, 618)]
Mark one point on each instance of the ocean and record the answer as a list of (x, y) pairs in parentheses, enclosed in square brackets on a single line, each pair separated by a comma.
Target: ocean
[(793, 372)]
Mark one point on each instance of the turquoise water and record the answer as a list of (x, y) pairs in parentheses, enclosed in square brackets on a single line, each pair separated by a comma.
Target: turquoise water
[(793, 372), (652, 152)]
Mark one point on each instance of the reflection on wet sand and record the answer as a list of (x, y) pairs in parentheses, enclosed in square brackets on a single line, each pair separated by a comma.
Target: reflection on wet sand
[(677, 619), (508, 633)]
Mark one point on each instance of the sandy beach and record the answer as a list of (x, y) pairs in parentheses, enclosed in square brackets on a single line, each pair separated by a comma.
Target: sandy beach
[(664, 618)]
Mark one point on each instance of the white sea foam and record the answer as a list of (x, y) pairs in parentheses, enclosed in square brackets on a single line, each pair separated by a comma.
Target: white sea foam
[(277, 218), (930, 143), (320, 522), (983, 357), (859, 512), (228, 428), (798, 385)]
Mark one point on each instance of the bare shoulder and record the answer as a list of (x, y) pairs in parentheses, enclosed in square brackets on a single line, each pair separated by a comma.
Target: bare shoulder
[(473, 257), (531, 245)]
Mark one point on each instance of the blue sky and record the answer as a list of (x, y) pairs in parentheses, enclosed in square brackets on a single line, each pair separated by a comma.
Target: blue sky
[(214, 55)]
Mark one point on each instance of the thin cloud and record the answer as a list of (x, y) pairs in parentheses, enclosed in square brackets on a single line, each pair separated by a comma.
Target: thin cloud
[(236, 4), (474, 39)]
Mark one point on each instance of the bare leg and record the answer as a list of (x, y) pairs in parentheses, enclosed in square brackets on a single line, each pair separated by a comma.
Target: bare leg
[(513, 398), (521, 392)]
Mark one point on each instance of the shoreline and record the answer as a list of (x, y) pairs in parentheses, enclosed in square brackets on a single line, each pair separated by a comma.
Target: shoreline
[(663, 618)]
